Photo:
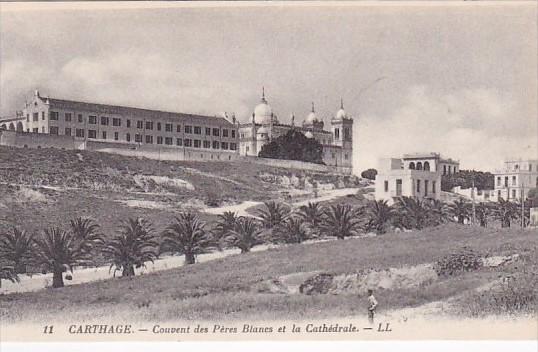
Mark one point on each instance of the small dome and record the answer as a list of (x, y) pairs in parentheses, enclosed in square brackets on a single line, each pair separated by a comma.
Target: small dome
[(309, 134), (262, 134), (341, 114), (312, 117)]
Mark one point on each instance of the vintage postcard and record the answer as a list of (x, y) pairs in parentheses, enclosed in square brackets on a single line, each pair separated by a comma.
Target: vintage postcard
[(268, 171)]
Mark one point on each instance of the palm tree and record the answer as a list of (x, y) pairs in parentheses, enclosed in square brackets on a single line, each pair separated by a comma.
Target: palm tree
[(483, 212), (225, 223), (413, 213), (506, 211), (293, 230), (59, 251), (245, 235), (15, 248), (187, 235), (312, 214), (133, 246), (340, 221), (273, 214), (461, 210), (438, 212), (380, 214), (86, 229)]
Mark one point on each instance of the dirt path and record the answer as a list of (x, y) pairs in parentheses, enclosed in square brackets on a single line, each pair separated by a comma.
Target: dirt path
[(241, 208), (83, 275)]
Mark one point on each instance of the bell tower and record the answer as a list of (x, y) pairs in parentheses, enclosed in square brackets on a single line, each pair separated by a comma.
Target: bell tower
[(342, 135)]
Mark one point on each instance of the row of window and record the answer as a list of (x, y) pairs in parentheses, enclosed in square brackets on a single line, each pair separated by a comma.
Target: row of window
[(148, 125), (516, 167), (35, 116), (451, 170), (196, 143), (506, 178), (418, 188), (419, 166), (347, 134)]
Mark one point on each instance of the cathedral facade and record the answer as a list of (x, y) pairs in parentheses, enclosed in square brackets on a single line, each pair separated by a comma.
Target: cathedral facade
[(337, 141)]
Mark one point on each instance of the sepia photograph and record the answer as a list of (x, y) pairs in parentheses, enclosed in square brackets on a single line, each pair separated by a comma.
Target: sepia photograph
[(268, 171)]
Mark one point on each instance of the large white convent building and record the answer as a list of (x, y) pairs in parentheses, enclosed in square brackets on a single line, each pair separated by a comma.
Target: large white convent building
[(58, 123), (337, 142)]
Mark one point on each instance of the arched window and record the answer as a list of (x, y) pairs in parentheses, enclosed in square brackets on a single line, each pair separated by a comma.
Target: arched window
[(19, 127), (412, 166), (419, 166), (426, 166), (11, 127)]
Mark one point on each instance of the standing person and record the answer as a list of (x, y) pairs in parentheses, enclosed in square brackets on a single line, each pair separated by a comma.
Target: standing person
[(372, 304)]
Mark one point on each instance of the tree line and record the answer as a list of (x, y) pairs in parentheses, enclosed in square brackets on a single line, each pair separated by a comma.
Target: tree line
[(57, 250)]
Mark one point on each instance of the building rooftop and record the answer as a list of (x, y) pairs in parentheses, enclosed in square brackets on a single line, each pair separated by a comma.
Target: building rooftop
[(429, 155), (128, 111), (297, 127), (421, 155)]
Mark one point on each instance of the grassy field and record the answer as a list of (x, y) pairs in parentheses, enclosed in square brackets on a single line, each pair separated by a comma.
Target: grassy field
[(224, 289), (45, 187)]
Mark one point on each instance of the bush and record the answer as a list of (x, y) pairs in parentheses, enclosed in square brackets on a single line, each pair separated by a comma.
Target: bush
[(466, 178), (293, 145), (462, 261), (369, 174)]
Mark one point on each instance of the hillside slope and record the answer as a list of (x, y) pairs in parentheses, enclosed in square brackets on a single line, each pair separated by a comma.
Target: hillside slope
[(44, 187), (239, 286)]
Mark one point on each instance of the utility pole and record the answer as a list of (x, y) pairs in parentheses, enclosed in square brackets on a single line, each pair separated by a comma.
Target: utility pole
[(523, 205)]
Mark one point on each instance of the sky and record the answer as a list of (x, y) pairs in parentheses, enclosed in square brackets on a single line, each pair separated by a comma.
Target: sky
[(459, 80)]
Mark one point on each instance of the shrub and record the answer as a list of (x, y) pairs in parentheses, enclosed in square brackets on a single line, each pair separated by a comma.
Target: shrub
[(369, 174), (293, 145), (514, 294), (464, 260), (319, 284)]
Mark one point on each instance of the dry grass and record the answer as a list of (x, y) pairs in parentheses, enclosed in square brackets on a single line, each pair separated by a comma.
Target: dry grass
[(99, 185), (221, 289)]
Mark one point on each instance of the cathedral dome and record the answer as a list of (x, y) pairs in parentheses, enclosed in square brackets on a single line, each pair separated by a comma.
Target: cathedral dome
[(263, 112), (309, 134)]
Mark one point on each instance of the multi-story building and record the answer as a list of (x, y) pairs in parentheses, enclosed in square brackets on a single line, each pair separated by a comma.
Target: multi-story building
[(515, 179), (413, 175), (126, 125), (337, 142), (100, 126)]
